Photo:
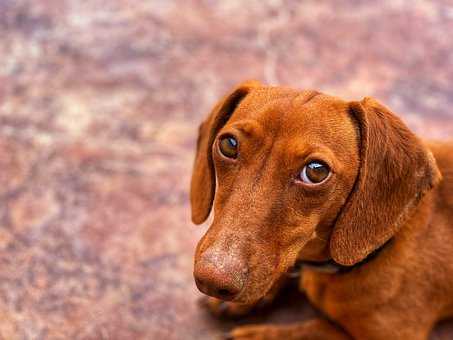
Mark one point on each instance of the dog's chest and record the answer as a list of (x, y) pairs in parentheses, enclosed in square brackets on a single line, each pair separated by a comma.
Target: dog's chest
[(317, 286), (340, 295)]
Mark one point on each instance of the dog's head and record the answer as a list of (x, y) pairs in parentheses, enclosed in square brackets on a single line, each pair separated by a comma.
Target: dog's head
[(290, 171)]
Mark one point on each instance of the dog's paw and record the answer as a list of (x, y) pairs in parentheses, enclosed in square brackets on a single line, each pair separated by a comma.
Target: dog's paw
[(315, 329), (226, 309), (258, 332)]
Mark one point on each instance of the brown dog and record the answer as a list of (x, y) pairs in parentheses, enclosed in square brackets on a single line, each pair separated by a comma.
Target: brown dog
[(342, 187)]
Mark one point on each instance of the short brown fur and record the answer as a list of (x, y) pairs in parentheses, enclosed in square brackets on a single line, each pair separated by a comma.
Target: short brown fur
[(389, 193)]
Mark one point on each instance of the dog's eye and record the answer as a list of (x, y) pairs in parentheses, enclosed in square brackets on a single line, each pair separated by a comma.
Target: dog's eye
[(314, 172), (228, 146)]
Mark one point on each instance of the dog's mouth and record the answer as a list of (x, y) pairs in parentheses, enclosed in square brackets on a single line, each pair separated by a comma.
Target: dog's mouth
[(264, 279), (254, 291), (268, 272)]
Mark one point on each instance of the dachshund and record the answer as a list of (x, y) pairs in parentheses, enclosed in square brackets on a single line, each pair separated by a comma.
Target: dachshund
[(342, 190)]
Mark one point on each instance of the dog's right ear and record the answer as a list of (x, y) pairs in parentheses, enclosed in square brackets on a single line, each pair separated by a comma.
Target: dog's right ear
[(396, 170), (202, 187)]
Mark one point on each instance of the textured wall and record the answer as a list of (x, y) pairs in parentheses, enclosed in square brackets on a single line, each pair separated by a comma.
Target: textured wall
[(99, 104)]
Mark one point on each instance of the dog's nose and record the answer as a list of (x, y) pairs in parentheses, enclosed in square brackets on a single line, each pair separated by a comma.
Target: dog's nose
[(221, 280)]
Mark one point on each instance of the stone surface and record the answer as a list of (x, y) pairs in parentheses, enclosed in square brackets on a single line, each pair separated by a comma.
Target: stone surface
[(99, 105)]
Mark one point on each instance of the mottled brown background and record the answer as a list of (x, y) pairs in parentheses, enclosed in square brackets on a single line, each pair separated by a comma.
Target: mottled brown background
[(99, 104)]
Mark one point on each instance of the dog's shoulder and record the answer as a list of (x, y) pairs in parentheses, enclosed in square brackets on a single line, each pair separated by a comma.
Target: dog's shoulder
[(443, 153)]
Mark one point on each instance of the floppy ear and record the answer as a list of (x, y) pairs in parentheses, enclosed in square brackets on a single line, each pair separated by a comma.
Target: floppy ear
[(202, 188), (396, 169)]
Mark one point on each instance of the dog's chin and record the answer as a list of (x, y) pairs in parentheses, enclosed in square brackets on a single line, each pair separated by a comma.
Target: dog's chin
[(248, 299), (254, 293)]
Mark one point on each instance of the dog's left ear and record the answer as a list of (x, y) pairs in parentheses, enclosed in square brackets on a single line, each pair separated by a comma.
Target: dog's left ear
[(396, 169), (203, 183)]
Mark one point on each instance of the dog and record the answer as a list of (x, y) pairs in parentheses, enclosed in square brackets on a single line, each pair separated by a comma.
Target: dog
[(345, 191)]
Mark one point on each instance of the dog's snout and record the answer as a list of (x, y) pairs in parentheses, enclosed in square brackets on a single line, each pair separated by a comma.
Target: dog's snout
[(216, 288), (223, 279)]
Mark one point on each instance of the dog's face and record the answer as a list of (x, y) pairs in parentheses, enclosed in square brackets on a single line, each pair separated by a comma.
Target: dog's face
[(284, 167), (279, 168)]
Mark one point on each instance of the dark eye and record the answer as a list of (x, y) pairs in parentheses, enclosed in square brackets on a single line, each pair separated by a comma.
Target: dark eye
[(314, 172), (228, 146)]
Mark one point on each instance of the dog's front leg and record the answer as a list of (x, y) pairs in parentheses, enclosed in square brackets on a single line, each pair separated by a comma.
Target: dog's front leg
[(316, 329)]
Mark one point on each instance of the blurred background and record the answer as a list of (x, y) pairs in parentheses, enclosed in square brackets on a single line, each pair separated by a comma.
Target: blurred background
[(99, 107)]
